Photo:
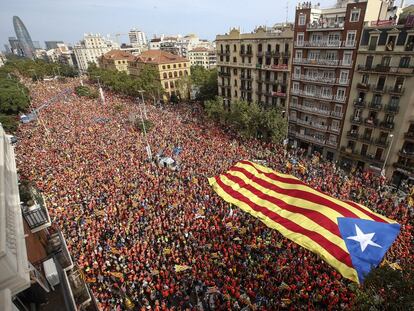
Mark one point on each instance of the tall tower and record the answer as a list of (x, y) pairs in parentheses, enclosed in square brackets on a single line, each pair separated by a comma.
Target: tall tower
[(24, 38)]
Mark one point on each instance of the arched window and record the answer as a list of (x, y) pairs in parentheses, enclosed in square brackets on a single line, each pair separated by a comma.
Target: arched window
[(170, 74), (185, 72), (175, 74), (166, 85), (180, 73), (165, 75), (171, 84)]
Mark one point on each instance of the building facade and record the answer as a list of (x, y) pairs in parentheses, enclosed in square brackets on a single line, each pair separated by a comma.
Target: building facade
[(324, 54), (36, 269), (116, 60), (52, 44), (15, 47), (25, 41), (255, 66), (137, 38), (170, 67), (378, 130), (204, 57), (62, 54), (91, 48)]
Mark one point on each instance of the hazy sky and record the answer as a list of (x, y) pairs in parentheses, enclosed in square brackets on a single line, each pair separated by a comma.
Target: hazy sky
[(68, 20)]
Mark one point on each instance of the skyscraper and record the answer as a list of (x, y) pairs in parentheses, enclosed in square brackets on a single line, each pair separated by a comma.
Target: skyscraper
[(24, 38)]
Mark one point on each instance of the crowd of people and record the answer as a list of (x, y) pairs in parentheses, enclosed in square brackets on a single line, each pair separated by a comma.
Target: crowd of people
[(161, 238)]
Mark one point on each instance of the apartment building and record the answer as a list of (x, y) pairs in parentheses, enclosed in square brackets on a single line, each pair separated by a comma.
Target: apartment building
[(324, 54), (170, 67), (36, 269), (379, 124), (91, 48), (116, 60), (202, 56), (255, 66)]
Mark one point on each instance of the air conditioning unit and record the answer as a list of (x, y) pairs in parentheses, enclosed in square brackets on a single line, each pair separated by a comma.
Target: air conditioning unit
[(51, 273)]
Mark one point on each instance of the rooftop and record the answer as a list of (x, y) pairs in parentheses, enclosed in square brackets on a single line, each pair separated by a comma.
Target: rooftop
[(159, 57), (118, 54)]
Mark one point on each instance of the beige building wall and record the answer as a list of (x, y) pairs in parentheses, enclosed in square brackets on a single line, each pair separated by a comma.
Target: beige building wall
[(381, 107), (255, 66), (169, 74)]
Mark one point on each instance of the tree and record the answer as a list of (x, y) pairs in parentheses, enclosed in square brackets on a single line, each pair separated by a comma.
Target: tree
[(205, 82), (387, 289), (215, 110)]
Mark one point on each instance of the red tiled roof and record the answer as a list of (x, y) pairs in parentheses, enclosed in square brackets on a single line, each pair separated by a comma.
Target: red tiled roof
[(200, 49), (118, 55), (159, 57)]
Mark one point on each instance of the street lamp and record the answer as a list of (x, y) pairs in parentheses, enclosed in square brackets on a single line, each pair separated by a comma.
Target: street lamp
[(143, 102), (388, 153)]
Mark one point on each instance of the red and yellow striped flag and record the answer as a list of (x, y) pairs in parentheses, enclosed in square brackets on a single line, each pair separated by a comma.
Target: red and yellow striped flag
[(302, 214)]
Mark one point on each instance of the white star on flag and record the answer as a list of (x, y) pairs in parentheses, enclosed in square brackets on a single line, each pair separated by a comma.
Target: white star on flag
[(364, 239)]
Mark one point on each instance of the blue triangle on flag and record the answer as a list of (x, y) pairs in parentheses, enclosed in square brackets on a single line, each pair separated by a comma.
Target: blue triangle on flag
[(367, 242)]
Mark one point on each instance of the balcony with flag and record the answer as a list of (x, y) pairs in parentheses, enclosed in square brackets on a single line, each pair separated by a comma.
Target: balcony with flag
[(34, 209)]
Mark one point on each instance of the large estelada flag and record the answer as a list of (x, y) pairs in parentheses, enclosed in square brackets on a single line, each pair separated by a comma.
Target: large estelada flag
[(348, 236)]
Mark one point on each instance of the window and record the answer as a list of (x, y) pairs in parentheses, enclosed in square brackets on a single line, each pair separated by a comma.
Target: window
[(175, 66), (350, 38), (235, 71), (404, 62), (300, 39), (163, 66), (297, 72), (168, 66), (385, 61), (166, 85), (175, 74), (391, 43), (259, 47), (302, 20), (372, 43), (298, 54), (368, 62), (234, 48), (234, 59), (355, 15), (343, 77), (169, 75), (164, 75), (295, 86), (340, 93), (347, 58)]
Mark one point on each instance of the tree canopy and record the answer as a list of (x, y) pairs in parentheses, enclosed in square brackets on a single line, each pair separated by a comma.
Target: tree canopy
[(121, 82), (249, 119)]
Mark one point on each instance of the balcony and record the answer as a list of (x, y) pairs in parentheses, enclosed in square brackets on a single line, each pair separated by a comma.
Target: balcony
[(392, 108), (409, 167), (315, 95), (246, 88), (387, 125), (322, 62), (336, 114), (382, 142), (319, 44), (407, 153), (224, 74), (360, 103), (363, 86), (331, 143), (35, 211), (334, 129), (371, 122), (352, 135), (314, 139), (312, 124), (243, 77), (387, 69), (223, 53), (355, 120), (409, 136), (375, 106), (58, 248), (246, 53), (397, 90), (320, 79), (280, 67), (366, 139), (379, 89), (313, 110), (324, 26), (340, 99)]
